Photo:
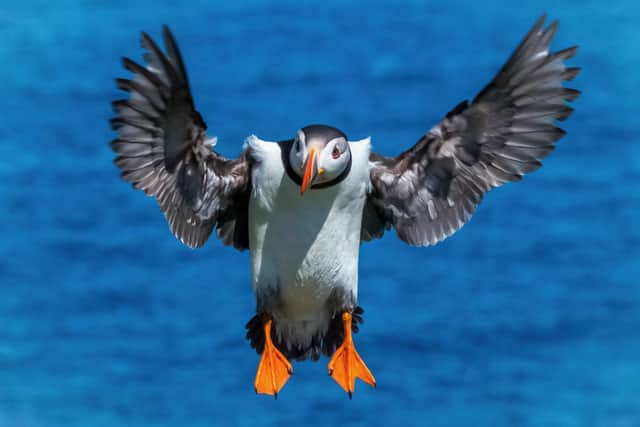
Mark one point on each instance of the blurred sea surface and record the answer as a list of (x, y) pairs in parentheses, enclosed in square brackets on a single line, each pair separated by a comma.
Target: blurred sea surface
[(529, 316)]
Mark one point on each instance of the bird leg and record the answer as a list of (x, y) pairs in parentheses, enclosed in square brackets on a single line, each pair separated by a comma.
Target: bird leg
[(346, 364), (274, 369)]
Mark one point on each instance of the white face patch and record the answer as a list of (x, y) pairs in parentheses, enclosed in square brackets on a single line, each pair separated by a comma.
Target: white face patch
[(298, 153), (333, 159)]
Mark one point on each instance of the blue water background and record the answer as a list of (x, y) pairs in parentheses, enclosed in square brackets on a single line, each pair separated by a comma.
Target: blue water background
[(530, 316)]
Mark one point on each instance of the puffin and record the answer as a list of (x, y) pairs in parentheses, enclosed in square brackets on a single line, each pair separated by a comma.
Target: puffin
[(304, 205)]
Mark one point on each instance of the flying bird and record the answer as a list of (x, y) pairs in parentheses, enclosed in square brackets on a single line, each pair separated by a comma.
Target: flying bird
[(303, 206)]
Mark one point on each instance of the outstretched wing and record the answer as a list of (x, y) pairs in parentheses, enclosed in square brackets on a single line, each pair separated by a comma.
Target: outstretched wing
[(163, 149), (431, 190)]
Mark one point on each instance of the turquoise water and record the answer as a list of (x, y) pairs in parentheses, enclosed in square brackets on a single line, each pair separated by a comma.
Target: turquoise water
[(527, 317)]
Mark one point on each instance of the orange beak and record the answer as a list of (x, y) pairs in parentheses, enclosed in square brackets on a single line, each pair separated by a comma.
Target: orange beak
[(310, 171)]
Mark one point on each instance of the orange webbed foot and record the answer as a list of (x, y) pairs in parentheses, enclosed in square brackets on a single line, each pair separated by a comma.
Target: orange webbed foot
[(274, 369), (346, 364)]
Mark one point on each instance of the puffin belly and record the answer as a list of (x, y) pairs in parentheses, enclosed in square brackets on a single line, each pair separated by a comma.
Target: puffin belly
[(308, 252), (305, 272)]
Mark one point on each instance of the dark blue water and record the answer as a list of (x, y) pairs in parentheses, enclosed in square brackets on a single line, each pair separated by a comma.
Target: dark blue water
[(527, 317)]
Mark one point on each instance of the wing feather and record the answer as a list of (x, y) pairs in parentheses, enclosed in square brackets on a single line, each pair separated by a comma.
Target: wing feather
[(162, 149), (431, 190)]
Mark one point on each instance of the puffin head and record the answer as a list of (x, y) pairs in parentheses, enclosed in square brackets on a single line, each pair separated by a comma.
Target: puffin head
[(319, 155)]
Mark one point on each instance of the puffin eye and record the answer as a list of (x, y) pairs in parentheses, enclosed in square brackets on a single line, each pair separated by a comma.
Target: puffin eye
[(335, 153)]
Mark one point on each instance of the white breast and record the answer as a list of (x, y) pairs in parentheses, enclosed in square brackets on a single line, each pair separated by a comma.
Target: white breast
[(302, 247)]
